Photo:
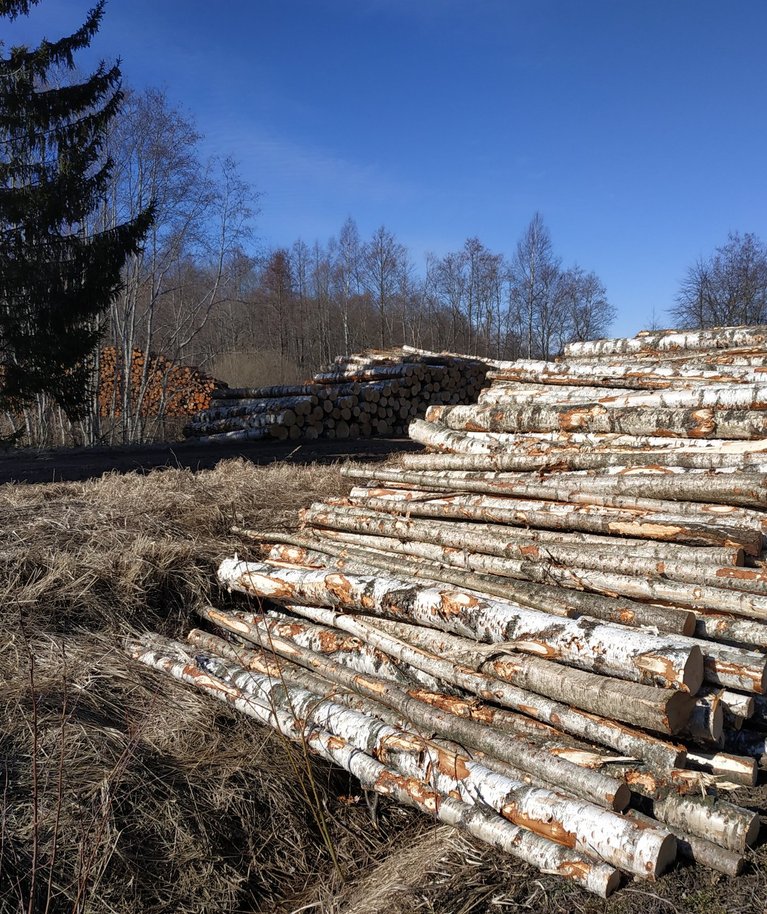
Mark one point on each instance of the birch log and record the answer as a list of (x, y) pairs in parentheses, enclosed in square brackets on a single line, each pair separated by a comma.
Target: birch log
[(502, 540), (627, 375), (551, 813), (730, 630), (700, 851), (465, 451), (635, 743), (674, 341), (734, 424), (662, 710), (735, 768), (495, 830), (555, 600), (549, 515), (658, 753), (625, 653), (549, 570), (716, 397), (639, 492), (602, 568), (602, 789)]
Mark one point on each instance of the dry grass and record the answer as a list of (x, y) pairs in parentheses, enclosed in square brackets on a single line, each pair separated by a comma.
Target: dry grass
[(126, 792)]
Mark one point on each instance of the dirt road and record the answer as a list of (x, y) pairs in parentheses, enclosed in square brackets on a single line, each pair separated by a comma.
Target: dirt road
[(84, 463)]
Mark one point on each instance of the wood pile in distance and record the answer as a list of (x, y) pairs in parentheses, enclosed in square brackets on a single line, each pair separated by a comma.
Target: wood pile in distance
[(375, 393), (550, 628), (157, 386)]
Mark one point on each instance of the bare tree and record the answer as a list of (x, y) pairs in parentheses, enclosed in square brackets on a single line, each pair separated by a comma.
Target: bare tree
[(586, 312), (534, 275), (193, 254), (730, 287), (383, 260)]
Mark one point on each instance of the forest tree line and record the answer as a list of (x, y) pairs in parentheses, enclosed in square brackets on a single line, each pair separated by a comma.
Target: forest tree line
[(120, 231)]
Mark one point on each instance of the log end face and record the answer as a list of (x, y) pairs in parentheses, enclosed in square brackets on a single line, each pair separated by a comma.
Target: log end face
[(678, 711), (692, 678), (752, 831), (688, 624), (622, 797), (658, 849)]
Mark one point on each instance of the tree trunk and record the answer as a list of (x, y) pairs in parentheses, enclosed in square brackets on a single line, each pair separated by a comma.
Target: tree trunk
[(579, 576), (686, 342), (555, 600), (684, 495), (624, 653), (684, 423), (495, 830), (548, 515), (700, 851)]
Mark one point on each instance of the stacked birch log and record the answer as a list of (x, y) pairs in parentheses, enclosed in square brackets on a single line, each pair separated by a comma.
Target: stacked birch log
[(375, 393), (156, 385), (550, 630)]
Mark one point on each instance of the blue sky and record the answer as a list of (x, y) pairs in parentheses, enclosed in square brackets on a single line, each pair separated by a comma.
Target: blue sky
[(638, 129)]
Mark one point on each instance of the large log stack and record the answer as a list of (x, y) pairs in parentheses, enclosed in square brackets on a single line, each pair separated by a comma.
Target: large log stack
[(156, 386), (375, 393), (550, 629)]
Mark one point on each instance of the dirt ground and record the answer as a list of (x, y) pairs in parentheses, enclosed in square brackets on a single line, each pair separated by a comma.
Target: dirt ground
[(123, 791), (77, 464)]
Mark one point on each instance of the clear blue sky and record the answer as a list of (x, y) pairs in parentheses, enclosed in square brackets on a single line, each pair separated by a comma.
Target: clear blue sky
[(638, 129)]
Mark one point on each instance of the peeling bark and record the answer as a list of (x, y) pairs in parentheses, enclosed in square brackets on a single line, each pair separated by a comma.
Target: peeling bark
[(492, 828), (625, 653), (549, 515), (736, 424)]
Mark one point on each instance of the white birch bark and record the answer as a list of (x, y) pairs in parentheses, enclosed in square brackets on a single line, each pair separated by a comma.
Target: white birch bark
[(686, 342), (624, 653), (495, 830), (735, 424), (548, 515)]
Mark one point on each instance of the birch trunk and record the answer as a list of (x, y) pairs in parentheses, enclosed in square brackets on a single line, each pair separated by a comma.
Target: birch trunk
[(577, 577), (440, 717), (691, 491), (549, 515), (715, 397), (344, 649), (736, 828), (495, 539), (625, 653), (626, 375), (662, 710), (551, 813), (669, 485), (601, 789), (686, 342), (736, 769), (470, 451), (700, 851), (735, 631), (735, 424), (495, 830), (554, 600), (602, 568)]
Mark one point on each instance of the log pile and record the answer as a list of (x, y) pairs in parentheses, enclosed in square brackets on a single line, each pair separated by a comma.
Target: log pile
[(549, 630), (375, 393), (156, 385)]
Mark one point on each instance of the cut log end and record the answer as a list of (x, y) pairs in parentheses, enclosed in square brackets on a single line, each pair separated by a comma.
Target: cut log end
[(665, 856), (693, 671)]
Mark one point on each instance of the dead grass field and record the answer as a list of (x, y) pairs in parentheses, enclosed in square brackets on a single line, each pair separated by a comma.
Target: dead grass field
[(125, 792)]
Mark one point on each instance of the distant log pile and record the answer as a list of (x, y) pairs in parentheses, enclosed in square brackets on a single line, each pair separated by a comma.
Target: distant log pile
[(155, 385), (376, 393), (550, 630)]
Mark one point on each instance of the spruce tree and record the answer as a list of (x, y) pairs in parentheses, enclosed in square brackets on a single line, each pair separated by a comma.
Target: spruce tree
[(56, 275)]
